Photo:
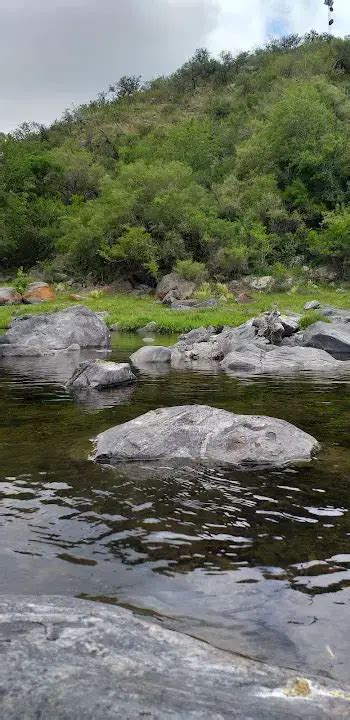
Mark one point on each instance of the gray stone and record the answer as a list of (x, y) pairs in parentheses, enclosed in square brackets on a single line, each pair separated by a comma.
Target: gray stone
[(9, 296), (65, 658), (335, 314), (151, 327), (202, 433), (312, 305), (263, 283), (173, 281), (58, 330), (155, 354), (284, 360), (103, 314), (332, 337), (194, 304), (115, 327), (100, 375), (197, 335)]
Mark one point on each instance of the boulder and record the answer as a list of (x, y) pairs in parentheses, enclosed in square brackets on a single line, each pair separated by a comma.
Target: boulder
[(173, 281), (202, 433), (243, 299), (9, 296), (312, 305), (155, 354), (58, 330), (265, 283), (194, 304), (201, 334), (324, 273), (100, 375), (274, 327), (38, 292), (283, 360), (151, 327), (68, 658), (332, 337), (119, 286)]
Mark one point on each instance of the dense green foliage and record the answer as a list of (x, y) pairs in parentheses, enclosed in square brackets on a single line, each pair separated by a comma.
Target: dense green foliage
[(226, 167)]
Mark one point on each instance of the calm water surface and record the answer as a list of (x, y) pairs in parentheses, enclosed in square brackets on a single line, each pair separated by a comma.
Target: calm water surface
[(254, 562)]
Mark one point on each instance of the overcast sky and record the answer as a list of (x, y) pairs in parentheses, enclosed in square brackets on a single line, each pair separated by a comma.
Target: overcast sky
[(55, 53)]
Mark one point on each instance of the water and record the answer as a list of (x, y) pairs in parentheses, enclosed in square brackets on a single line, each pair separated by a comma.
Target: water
[(254, 562)]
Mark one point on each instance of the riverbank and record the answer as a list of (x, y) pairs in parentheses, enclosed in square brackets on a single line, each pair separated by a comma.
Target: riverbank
[(132, 312)]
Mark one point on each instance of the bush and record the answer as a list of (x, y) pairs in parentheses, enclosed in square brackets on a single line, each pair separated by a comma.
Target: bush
[(312, 317), (191, 270), (21, 282)]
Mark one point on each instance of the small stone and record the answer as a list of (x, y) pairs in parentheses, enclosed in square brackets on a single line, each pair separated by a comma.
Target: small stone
[(312, 305)]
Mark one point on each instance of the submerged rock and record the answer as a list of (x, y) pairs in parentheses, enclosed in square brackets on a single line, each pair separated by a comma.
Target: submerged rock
[(155, 354), (332, 337), (58, 330), (70, 658), (202, 433), (100, 375)]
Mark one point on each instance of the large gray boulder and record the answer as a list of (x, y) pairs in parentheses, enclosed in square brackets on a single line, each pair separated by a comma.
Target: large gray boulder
[(100, 375), (332, 337), (174, 282), (336, 315), (283, 360), (58, 330), (202, 433), (155, 354), (64, 658), (204, 348), (9, 296)]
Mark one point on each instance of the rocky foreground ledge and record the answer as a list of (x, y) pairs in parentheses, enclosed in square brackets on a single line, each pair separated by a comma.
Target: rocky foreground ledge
[(63, 658)]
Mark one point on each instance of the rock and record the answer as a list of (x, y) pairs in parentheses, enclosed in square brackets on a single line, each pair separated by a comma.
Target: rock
[(312, 305), (263, 284), (335, 314), (38, 292), (155, 354), (274, 326), (194, 304), (148, 340), (119, 286), (173, 281), (290, 323), (197, 335), (332, 337), (70, 658), (140, 290), (243, 299), (171, 297), (9, 296), (100, 375), (202, 433), (324, 273), (151, 327), (283, 360), (58, 330), (115, 327)]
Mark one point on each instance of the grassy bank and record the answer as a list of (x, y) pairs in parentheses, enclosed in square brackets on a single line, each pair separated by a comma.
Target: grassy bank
[(133, 312)]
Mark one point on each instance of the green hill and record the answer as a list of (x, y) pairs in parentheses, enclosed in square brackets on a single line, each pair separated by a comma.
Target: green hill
[(227, 167)]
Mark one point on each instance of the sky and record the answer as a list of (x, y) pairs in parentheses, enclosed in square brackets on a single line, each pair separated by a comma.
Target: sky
[(59, 53)]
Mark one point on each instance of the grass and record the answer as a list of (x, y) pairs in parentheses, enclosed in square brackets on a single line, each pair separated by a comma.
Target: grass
[(132, 312)]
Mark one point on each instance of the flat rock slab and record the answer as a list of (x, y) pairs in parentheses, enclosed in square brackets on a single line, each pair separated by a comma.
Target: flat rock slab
[(284, 360), (63, 658), (100, 375), (202, 433), (58, 330)]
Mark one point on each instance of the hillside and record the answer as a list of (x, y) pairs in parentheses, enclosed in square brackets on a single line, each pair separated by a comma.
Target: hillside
[(228, 166)]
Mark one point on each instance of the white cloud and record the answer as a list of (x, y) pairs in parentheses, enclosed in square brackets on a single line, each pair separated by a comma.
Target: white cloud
[(57, 52)]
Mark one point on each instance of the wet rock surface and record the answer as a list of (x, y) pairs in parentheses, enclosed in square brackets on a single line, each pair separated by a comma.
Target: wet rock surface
[(63, 658), (203, 433)]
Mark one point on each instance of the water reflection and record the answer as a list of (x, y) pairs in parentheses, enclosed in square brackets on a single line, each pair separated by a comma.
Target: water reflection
[(256, 562)]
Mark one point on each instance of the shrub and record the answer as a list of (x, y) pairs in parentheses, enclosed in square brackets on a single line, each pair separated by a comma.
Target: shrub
[(191, 270), (22, 281)]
